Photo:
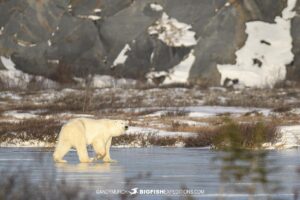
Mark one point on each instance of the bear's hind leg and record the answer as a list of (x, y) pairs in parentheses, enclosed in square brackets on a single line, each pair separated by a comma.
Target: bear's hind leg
[(60, 151), (99, 148), (83, 153)]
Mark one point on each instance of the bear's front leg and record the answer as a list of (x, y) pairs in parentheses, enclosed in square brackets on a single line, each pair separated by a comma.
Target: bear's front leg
[(107, 155), (99, 148)]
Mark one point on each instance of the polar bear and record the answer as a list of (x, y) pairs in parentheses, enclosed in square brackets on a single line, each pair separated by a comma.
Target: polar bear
[(80, 132)]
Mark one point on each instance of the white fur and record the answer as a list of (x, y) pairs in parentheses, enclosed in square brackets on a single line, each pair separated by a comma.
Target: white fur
[(80, 132)]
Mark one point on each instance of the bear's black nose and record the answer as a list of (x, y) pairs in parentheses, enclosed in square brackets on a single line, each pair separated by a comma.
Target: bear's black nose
[(126, 127)]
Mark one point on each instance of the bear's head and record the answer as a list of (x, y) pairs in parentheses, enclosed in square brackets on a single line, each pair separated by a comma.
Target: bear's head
[(120, 127)]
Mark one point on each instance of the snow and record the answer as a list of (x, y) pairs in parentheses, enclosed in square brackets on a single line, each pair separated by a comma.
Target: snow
[(30, 143), (227, 4), (191, 123), (100, 81), (160, 113), (262, 61), (1, 30), (92, 17), (210, 111), (8, 63), (206, 111), (17, 78), (177, 74), (19, 115), (49, 43), (180, 73), (156, 7), (97, 10), (122, 57), (53, 61), (25, 43), (290, 137), (69, 7), (295, 111), (10, 95), (173, 32), (12, 76), (156, 132), (105, 81), (70, 115), (288, 12), (152, 56), (156, 74)]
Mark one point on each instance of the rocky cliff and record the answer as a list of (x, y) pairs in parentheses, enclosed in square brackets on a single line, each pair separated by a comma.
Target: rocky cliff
[(162, 40)]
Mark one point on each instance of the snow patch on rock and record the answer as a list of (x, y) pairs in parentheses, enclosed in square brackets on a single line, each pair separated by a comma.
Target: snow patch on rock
[(173, 32), (156, 7), (97, 10), (178, 74), (23, 43), (122, 57), (16, 78), (91, 17), (8, 63), (262, 61), (49, 43), (53, 61), (1, 30)]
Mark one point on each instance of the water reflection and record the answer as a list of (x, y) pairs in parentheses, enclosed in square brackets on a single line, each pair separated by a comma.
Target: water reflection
[(297, 187), (92, 175), (247, 172), (244, 167), (84, 167)]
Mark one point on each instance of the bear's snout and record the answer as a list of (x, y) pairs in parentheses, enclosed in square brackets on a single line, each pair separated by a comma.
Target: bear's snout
[(126, 127)]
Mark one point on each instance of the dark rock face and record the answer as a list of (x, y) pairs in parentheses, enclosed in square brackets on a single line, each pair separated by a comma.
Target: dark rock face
[(293, 70), (50, 37), (217, 44), (268, 9)]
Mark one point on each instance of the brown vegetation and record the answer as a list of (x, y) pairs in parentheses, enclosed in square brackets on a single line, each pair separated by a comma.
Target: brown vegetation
[(40, 129)]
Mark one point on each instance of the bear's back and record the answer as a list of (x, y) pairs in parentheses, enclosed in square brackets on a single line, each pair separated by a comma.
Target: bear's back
[(94, 127)]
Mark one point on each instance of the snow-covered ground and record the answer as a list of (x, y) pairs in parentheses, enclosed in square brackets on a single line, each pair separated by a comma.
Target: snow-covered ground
[(29, 143), (290, 135), (178, 113), (208, 111), (262, 61), (157, 132), (106, 81), (19, 115)]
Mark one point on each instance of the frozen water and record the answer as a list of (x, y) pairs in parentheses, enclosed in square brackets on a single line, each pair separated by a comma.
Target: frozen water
[(170, 168)]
